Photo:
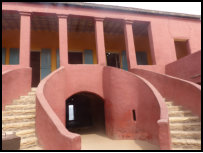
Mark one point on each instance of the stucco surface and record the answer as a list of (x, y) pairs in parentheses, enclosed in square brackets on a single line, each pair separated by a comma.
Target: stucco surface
[(108, 83), (163, 30), (15, 82), (181, 92), (184, 69)]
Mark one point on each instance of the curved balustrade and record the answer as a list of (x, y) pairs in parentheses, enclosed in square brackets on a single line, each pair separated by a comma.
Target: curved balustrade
[(122, 92), (181, 92), (16, 81), (51, 132), (187, 68)]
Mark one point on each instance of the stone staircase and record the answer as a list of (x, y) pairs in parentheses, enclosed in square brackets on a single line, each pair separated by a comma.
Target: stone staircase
[(185, 128), (20, 118)]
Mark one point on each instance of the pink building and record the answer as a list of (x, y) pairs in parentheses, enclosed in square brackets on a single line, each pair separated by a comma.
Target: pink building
[(131, 73)]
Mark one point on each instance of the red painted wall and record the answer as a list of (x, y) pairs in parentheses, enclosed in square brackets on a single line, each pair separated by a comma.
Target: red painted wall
[(15, 83), (10, 67), (50, 129), (181, 92), (186, 68), (163, 30), (122, 91)]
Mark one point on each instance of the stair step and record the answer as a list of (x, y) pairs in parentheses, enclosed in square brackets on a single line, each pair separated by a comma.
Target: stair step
[(169, 103), (17, 118), (19, 112), (28, 142), (18, 126), (28, 97), (180, 113), (186, 134), (188, 119), (175, 108), (33, 89), (36, 147), (32, 93), (20, 107), (182, 148), (186, 143), (196, 126), (23, 101), (26, 133)]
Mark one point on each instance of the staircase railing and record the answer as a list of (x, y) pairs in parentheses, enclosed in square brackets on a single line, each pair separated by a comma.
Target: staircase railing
[(181, 92), (15, 82)]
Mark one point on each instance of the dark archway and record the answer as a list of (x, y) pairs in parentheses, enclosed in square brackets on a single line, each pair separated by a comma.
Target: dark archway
[(85, 113)]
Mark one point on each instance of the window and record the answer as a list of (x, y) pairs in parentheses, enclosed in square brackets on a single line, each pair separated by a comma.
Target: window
[(141, 58), (71, 112), (182, 48), (134, 115)]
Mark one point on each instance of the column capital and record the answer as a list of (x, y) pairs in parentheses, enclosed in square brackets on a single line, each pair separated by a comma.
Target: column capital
[(62, 16), (128, 21), (99, 19), (25, 13)]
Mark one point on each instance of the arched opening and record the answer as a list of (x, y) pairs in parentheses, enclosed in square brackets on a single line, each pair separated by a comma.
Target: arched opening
[(85, 113)]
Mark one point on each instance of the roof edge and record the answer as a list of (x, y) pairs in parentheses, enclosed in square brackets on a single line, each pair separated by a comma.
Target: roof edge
[(126, 9)]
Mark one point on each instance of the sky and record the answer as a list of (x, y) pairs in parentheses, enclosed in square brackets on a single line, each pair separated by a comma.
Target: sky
[(178, 7)]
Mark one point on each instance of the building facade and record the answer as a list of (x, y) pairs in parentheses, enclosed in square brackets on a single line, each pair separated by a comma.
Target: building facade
[(73, 50)]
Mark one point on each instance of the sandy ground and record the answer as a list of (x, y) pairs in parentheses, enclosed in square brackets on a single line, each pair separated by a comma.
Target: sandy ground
[(96, 141)]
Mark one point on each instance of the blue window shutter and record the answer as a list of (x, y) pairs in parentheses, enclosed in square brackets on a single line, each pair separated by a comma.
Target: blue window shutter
[(88, 56), (14, 56), (57, 59), (45, 63), (124, 61), (141, 58), (3, 56)]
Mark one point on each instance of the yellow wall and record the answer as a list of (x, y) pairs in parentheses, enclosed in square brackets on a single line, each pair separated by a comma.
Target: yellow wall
[(10, 39), (76, 42)]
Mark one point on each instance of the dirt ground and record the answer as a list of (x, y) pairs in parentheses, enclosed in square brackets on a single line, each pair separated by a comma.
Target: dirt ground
[(95, 141)]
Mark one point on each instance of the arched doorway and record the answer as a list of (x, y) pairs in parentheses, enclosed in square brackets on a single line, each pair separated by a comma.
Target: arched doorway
[(85, 113)]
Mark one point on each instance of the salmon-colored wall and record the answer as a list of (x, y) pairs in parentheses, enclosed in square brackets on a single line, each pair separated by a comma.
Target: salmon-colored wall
[(14, 83), (181, 92), (184, 69), (163, 29), (118, 114)]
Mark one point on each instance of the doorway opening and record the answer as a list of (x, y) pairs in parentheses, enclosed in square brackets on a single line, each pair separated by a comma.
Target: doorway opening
[(35, 65), (85, 113), (113, 59)]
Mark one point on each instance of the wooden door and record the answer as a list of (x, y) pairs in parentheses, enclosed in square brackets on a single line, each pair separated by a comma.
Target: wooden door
[(45, 63), (3, 56), (88, 57), (75, 58), (14, 56), (35, 65), (124, 61)]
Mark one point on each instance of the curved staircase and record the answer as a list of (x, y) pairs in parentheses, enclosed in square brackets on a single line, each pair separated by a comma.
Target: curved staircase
[(20, 118), (185, 128)]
